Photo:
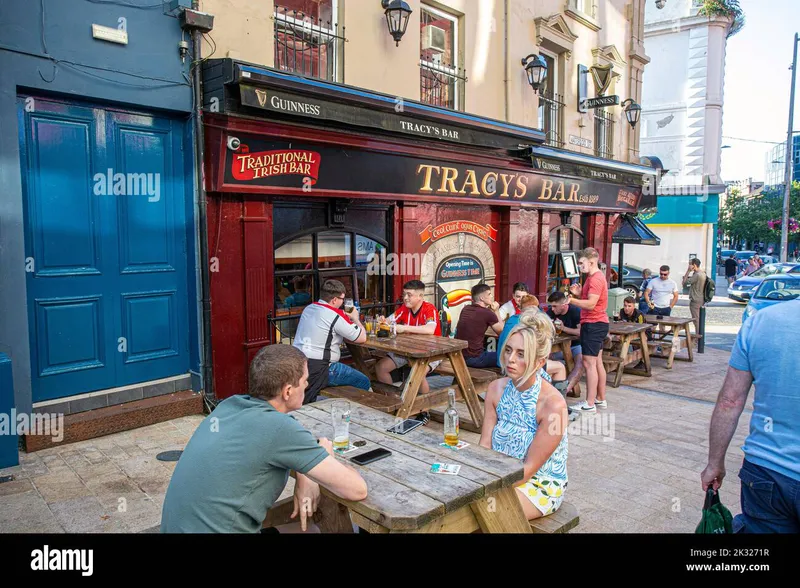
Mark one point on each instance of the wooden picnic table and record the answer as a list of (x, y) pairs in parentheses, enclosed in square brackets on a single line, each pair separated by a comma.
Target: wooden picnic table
[(405, 497), (420, 350), (671, 326), (628, 334), (564, 344)]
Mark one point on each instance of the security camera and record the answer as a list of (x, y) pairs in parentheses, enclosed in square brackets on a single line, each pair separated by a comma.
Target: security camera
[(660, 4), (234, 143)]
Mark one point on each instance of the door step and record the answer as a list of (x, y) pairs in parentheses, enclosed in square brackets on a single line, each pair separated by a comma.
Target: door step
[(115, 419)]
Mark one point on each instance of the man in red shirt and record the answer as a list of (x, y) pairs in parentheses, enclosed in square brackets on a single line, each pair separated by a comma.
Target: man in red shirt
[(593, 303), (416, 316)]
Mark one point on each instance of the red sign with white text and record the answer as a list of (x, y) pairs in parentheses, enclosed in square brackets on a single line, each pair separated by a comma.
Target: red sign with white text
[(484, 232), (265, 164)]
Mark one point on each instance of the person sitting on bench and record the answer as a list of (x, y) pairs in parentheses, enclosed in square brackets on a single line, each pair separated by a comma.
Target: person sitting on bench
[(472, 324), (416, 316), (513, 307), (238, 460), (526, 418), (570, 317), (629, 312), (323, 326)]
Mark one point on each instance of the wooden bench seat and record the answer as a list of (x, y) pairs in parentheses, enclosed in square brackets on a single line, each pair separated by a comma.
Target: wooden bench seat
[(561, 521), (481, 378), (382, 402)]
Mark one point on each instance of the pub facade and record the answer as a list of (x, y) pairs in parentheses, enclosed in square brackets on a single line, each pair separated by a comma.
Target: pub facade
[(308, 180)]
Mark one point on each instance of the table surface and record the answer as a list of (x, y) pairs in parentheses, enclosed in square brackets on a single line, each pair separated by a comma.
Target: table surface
[(564, 338), (673, 321), (403, 493), (625, 328), (414, 346)]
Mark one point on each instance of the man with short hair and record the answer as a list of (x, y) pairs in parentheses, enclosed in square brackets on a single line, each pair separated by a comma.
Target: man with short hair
[(629, 312), (483, 313), (416, 316), (594, 328), (238, 460), (323, 326), (570, 317), (731, 268), (512, 307), (662, 293), (647, 275), (770, 472), (697, 285)]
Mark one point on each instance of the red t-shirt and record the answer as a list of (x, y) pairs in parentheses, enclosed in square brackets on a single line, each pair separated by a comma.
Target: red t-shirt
[(426, 314), (595, 284)]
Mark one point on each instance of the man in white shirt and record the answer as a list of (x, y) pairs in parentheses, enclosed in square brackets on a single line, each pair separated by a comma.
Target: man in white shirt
[(661, 294), (511, 307)]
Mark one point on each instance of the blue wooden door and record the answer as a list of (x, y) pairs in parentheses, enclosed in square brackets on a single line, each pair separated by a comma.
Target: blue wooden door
[(105, 233)]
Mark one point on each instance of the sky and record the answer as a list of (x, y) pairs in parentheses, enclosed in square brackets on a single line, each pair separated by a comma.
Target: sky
[(757, 86)]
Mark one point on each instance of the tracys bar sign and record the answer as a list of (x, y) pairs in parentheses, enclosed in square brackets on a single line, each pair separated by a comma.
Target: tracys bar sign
[(279, 166)]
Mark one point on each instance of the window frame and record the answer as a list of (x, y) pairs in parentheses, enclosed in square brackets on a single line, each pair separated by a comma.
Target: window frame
[(458, 95), (305, 26)]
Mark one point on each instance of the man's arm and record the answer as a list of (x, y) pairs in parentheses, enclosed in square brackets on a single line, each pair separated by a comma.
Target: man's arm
[(498, 327), (647, 295), (587, 304), (339, 478), (426, 329), (574, 332), (730, 404), (675, 295)]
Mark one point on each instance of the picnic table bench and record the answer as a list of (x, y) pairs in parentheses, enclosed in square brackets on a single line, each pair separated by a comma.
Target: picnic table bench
[(672, 334), (405, 497), (628, 346)]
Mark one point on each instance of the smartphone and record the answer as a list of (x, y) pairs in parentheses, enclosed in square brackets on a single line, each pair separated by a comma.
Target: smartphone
[(371, 456), (404, 427)]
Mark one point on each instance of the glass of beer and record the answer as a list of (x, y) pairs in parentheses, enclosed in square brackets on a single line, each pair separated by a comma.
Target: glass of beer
[(340, 413), (348, 305), (558, 324)]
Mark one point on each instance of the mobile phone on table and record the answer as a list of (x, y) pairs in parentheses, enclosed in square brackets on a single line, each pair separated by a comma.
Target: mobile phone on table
[(371, 456), (404, 427)]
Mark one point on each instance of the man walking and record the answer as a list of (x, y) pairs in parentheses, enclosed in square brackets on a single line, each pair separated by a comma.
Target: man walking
[(770, 472), (593, 303), (731, 267), (661, 294), (695, 279)]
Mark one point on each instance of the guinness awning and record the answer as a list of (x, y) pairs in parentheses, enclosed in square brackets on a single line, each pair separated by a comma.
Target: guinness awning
[(632, 231)]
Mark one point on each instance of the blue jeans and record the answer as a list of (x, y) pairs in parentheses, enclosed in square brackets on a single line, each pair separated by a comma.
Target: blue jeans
[(559, 356), (484, 360), (770, 501), (340, 374), (660, 311)]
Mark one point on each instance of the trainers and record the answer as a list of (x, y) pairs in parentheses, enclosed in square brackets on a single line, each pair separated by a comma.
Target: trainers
[(583, 407), (574, 415), (601, 403)]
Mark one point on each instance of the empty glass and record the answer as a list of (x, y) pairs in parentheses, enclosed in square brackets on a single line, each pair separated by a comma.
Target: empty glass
[(340, 411)]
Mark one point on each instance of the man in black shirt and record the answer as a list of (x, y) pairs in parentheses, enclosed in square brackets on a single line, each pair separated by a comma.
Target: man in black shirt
[(731, 267), (569, 319)]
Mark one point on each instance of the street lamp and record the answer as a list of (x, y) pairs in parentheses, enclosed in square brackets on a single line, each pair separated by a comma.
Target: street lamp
[(536, 69), (632, 112), (397, 13), (660, 4), (788, 188)]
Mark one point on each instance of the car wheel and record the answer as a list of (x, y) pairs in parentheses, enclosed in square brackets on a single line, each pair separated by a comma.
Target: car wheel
[(633, 291)]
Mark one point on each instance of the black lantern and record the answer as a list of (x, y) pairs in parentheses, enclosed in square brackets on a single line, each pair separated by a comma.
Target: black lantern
[(632, 112), (536, 68), (397, 13), (660, 4)]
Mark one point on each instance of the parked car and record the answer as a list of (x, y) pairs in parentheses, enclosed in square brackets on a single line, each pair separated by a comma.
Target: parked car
[(743, 255), (631, 278), (773, 290), (744, 288), (726, 253), (770, 259)]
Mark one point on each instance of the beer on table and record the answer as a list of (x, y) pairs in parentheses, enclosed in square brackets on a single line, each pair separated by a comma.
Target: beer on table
[(451, 420)]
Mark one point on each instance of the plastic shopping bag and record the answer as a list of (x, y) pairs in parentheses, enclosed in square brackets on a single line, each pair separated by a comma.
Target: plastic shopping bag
[(716, 518)]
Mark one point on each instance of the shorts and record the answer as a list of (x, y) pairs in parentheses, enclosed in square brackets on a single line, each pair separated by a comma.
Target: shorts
[(401, 361), (546, 497), (592, 337)]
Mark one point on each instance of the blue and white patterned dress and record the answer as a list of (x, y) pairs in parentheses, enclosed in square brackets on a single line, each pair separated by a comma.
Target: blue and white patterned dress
[(513, 434)]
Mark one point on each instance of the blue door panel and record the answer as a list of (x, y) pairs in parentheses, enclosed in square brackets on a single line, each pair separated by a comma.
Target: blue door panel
[(106, 227)]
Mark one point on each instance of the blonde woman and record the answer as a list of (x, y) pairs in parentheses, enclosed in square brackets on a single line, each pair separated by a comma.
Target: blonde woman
[(526, 417)]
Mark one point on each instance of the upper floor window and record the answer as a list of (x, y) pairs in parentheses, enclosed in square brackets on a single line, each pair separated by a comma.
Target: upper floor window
[(551, 104), (585, 12), (441, 79), (603, 133), (307, 38)]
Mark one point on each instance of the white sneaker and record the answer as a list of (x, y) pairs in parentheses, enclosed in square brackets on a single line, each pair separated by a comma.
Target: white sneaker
[(601, 403), (583, 407)]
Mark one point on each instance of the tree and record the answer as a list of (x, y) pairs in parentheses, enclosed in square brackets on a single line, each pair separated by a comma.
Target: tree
[(747, 219)]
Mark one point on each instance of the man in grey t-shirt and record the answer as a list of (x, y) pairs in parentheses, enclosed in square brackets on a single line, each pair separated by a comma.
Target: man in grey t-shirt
[(662, 293), (238, 460)]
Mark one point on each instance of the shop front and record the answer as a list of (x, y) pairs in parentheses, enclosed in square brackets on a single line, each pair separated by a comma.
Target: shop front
[(308, 181)]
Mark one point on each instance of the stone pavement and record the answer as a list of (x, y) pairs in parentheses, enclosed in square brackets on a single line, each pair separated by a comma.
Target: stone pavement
[(633, 468)]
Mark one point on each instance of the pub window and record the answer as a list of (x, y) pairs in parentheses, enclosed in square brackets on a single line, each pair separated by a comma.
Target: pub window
[(551, 104), (304, 263), (308, 40), (603, 134), (441, 80)]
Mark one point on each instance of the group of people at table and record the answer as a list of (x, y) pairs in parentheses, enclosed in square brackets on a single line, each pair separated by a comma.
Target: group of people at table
[(237, 462)]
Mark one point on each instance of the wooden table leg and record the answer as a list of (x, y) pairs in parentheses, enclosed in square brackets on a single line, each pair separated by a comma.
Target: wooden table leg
[(689, 342), (468, 393), (419, 369), (623, 354), (358, 353), (676, 345), (501, 513), (646, 353), (332, 517), (566, 350)]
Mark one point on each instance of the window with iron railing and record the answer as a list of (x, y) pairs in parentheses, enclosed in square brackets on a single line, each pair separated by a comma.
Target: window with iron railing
[(551, 110), (442, 82), (308, 40), (603, 134)]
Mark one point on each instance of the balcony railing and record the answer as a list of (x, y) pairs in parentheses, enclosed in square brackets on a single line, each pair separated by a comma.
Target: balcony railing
[(307, 46), (551, 109), (603, 134), (441, 85)]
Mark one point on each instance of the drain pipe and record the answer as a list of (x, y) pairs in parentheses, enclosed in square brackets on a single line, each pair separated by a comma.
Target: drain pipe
[(206, 370), (505, 57)]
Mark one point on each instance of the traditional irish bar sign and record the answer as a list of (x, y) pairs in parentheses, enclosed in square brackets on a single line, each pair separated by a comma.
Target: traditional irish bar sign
[(461, 226), (279, 166)]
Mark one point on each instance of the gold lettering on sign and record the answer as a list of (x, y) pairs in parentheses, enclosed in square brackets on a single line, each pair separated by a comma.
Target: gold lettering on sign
[(485, 188), (471, 181), (506, 179), (426, 187), (522, 187), (573, 192), (449, 175), (547, 188), (560, 192)]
